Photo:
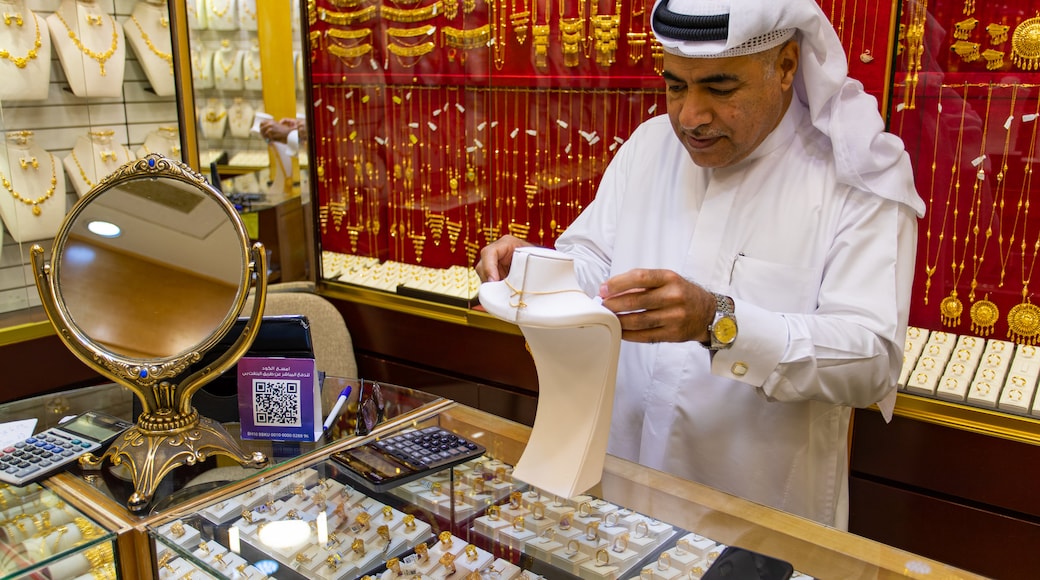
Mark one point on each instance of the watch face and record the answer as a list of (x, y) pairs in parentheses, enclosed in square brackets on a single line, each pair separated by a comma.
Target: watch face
[(725, 330)]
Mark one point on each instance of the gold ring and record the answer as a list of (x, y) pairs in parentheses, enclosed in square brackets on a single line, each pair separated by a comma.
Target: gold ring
[(934, 349), (584, 509), (993, 359), (1015, 394), (177, 528), (435, 489), (358, 546), (964, 354), (538, 510), (642, 529), (592, 531), (394, 565), (664, 562), (492, 512), (515, 499), (682, 546), (384, 532), (445, 538), (610, 520), (471, 552), (951, 384), (620, 542), (957, 368), (548, 535), (982, 388), (448, 561), (927, 363), (409, 521), (602, 557), (572, 547), (1018, 381), (388, 512), (989, 374), (518, 523), (422, 551)]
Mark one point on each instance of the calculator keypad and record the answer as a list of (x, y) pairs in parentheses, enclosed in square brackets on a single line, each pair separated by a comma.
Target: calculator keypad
[(429, 447)]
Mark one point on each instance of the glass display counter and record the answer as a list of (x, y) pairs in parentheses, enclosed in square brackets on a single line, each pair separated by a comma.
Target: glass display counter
[(42, 536), (310, 520)]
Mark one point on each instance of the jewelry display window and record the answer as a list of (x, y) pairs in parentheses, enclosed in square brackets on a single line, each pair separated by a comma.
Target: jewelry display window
[(966, 101), (86, 85), (439, 126), (472, 520), (228, 81), (41, 535)]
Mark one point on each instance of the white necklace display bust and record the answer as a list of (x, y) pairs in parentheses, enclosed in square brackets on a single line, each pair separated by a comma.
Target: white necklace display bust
[(93, 158), (26, 40), (575, 343), (90, 47), (165, 141), (148, 34), (32, 202)]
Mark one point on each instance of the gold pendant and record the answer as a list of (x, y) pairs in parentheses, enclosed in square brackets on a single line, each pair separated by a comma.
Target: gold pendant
[(1025, 44), (984, 315), (951, 309), (1024, 323)]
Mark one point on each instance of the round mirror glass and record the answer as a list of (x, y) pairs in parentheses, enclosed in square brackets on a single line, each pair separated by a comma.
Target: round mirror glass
[(150, 268)]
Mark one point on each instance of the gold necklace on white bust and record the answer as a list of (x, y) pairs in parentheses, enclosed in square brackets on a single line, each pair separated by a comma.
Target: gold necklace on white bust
[(33, 203)]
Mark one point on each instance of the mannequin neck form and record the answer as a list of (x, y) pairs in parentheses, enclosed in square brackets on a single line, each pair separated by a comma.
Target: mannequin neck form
[(541, 271)]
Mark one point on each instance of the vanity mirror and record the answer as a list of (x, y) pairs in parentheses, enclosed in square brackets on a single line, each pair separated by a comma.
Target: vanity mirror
[(149, 270)]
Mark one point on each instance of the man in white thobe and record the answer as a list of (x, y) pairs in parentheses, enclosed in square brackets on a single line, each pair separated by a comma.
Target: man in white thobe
[(758, 245)]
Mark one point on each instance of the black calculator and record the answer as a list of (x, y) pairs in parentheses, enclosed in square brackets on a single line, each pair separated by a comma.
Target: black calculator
[(53, 449), (406, 456)]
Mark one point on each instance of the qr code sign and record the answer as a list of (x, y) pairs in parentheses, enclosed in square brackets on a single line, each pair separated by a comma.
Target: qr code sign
[(276, 402)]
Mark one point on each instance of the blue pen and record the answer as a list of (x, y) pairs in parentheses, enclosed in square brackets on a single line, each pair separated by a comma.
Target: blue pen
[(337, 408)]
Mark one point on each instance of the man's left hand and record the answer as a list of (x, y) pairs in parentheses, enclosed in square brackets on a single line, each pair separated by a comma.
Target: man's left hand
[(659, 306)]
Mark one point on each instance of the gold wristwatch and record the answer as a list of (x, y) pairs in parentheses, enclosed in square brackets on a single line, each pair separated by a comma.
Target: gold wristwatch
[(723, 329)]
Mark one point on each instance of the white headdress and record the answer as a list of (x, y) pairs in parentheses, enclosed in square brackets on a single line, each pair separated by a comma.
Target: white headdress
[(867, 157)]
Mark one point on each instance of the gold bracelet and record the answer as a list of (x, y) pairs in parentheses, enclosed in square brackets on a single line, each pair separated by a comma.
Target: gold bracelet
[(411, 14), (411, 32), (466, 39), (347, 18), (417, 50), (349, 33)]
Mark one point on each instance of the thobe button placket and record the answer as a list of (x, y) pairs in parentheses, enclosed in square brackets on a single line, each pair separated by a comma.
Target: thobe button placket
[(739, 368)]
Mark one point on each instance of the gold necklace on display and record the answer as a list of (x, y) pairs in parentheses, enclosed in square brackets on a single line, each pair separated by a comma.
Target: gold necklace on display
[(82, 172), (101, 58), (34, 203), (23, 61), (165, 56)]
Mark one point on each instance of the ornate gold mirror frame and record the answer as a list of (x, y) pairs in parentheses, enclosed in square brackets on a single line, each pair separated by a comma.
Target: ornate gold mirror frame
[(144, 331)]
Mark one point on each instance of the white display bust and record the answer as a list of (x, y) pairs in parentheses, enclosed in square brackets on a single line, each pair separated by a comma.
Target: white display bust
[(252, 74), (227, 69), (213, 119), (222, 14), (240, 118), (247, 14), (148, 34), (202, 68), (197, 14), (575, 343), (94, 157), (90, 47), (165, 141), (27, 67), (33, 201)]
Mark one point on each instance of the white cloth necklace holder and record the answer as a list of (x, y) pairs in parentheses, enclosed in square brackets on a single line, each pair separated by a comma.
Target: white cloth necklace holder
[(247, 15), (240, 118), (213, 120), (197, 12), (227, 69), (222, 14), (93, 158), (31, 183), (31, 81), (165, 141), (202, 68), (151, 15), (82, 72), (575, 343), (252, 73)]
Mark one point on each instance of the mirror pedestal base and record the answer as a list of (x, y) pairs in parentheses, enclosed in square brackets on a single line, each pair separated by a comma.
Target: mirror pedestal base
[(151, 456)]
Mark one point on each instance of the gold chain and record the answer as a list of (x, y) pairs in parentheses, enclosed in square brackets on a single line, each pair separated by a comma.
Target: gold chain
[(166, 56), (34, 203), (101, 58), (23, 61)]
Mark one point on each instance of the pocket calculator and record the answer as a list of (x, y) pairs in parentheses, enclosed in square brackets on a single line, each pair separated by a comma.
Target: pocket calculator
[(52, 449), (407, 456)]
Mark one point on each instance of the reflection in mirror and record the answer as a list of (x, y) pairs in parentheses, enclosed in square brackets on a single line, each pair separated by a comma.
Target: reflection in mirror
[(150, 268)]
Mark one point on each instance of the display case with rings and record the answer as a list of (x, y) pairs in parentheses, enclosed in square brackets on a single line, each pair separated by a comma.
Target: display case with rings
[(43, 535)]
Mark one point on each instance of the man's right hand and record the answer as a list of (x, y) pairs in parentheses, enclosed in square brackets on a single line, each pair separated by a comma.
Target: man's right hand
[(497, 256)]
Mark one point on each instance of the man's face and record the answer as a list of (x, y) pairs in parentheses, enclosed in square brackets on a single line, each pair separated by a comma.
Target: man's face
[(723, 108)]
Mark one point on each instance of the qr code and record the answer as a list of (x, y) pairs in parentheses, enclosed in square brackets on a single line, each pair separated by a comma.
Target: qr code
[(276, 402)]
